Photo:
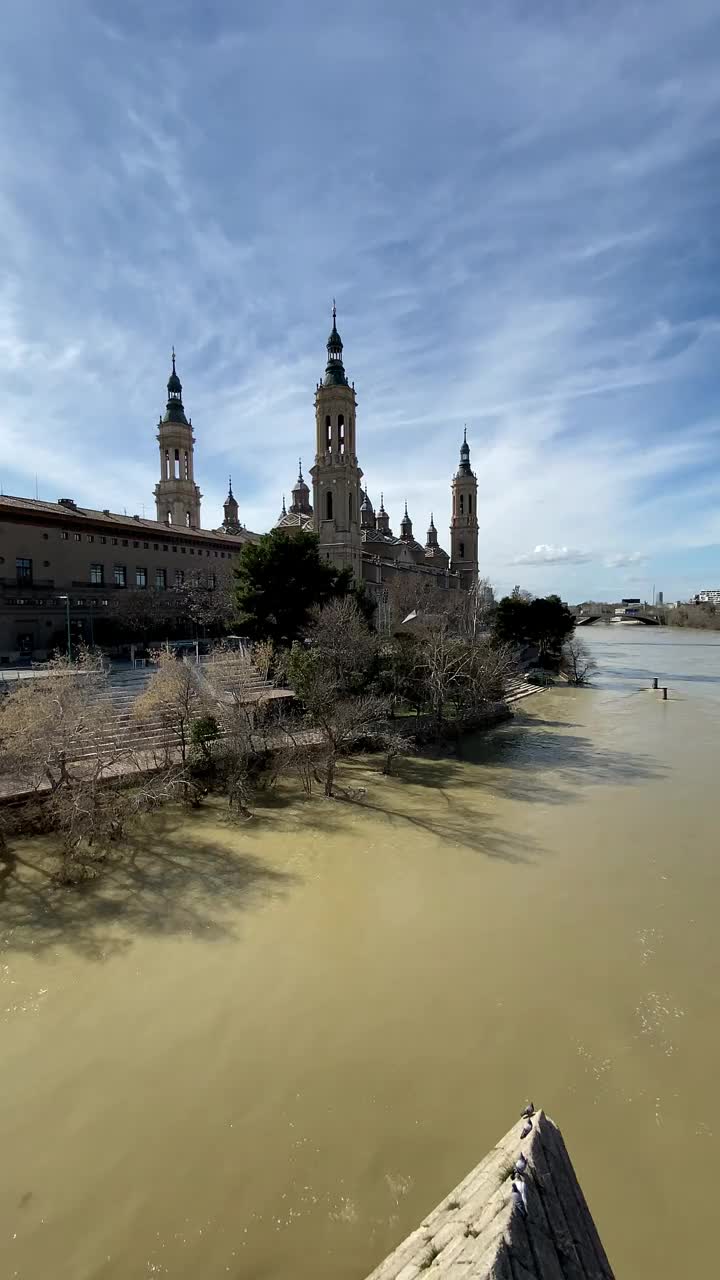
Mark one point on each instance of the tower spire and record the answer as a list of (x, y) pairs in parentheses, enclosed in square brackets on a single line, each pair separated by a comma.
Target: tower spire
[(334, 370)]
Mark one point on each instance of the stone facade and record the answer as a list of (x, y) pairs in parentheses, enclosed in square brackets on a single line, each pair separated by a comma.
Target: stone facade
[(49, 550)]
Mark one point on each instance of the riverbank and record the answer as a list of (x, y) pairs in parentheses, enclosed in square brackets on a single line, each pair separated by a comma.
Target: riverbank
[(274, 1048)]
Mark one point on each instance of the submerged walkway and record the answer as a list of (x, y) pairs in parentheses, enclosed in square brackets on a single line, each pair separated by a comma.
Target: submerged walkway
[(520, 1215)]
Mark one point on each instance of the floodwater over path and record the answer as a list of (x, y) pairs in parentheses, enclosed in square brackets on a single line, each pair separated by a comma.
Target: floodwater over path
[(267, 1051)]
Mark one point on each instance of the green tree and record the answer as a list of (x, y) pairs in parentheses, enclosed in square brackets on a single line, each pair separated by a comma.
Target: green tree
[(544, 622), (279, 581)]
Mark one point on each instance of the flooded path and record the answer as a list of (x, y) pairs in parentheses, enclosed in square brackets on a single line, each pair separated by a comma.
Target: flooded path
[(266, 1051)]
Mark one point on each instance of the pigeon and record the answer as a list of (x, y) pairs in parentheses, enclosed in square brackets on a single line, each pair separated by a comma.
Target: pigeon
[(521, 1165), (527, 1127), (529, 1110), (518, 1198)]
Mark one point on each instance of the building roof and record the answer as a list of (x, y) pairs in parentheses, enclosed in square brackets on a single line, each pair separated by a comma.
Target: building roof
[(294, 520), (378, 535), (66, 512)]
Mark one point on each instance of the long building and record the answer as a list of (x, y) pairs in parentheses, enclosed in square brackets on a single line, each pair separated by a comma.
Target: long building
[(61, 561)]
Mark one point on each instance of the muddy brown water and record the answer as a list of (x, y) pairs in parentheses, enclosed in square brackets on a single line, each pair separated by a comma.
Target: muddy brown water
[(268, 1051)]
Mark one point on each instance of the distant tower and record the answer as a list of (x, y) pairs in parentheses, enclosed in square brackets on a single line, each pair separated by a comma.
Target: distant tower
[(336, 474), (177, 496), (432, 541), (300, 505), (464, 525), (231, 524), (406, 529), (382, 519), (367, 512)]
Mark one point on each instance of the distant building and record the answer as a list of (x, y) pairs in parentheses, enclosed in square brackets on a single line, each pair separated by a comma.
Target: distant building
[(659, 599), (711, 595)]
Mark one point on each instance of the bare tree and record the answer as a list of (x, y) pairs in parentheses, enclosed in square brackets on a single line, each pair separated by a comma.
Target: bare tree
[(51, 720), (331, 674), (173, 699), (577, 661), (57, 734), (263, 658)]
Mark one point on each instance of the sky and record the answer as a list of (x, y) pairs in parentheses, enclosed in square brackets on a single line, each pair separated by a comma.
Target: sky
[(516, 206)]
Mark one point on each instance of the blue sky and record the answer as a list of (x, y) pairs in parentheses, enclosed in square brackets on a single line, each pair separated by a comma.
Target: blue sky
[(516, 206)]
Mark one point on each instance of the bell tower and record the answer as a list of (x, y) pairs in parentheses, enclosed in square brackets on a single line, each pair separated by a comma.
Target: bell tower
[(177, 496), (336, 475), (231, 522), (464, 524)]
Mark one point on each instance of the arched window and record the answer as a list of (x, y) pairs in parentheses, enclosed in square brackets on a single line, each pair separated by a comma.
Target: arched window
[(328, 433), (461, 550), (187, 519), (167, 465), (176, 466), (169, 517), (187, 467), (341, 433), (462, 504), (469, 504), (328, 506)]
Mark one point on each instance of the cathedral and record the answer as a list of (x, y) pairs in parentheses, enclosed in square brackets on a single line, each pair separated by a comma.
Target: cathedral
[(63, 565), (351, 532)]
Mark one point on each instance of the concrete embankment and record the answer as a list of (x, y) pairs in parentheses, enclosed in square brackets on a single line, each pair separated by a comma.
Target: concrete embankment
[(519, 1215)]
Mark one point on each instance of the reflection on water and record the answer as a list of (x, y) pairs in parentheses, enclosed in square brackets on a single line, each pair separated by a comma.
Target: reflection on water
[(267, 1051)]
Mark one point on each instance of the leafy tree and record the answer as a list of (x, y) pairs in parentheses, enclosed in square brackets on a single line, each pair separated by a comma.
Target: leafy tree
[(279, 581), (544, 622)]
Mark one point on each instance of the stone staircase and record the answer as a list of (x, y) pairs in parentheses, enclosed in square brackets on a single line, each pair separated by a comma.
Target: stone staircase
[(122, 733), (519, 688)]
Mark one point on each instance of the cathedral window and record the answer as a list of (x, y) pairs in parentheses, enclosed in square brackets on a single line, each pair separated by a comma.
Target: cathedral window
[(187, 519), (187, 467), (328, 506), (328, 433), (167, 465), (461, 550), (176, 465), (462, 504), (341, 433), (469, 504)]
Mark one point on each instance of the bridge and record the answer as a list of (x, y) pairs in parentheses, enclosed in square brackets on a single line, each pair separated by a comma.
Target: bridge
[(624, 617)]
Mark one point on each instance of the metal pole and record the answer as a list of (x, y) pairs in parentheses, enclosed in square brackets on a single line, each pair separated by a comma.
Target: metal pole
[(67, 609)]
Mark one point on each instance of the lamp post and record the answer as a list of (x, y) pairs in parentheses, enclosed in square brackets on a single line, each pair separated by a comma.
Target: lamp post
[(67, 614)]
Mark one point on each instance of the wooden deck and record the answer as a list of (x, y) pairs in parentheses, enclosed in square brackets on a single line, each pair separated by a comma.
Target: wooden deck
[(508, 1220)]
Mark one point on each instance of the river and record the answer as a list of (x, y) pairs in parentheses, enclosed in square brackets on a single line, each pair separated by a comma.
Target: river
[(267, 1051)]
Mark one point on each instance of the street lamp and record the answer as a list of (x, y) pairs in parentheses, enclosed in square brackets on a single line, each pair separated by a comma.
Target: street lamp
[(67, 608)]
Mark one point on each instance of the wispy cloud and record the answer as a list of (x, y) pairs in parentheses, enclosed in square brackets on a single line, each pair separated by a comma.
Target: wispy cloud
[(532, 252), (624, 560), (543, 555)]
